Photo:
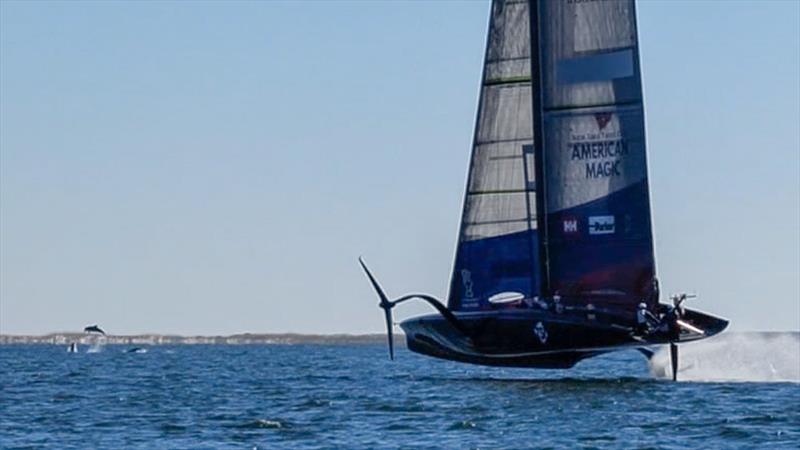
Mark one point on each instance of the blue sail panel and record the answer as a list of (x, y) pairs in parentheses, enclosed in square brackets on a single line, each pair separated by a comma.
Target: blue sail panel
[(598, 243), (487, 267), (603, 248)]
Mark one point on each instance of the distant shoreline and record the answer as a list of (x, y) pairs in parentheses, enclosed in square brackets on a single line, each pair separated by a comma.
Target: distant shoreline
[(159, 339), (242, 338)]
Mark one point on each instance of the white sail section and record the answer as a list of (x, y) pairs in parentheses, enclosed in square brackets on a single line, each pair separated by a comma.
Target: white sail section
[(590, 60), (497, 199), (589, 55), (596, 154)]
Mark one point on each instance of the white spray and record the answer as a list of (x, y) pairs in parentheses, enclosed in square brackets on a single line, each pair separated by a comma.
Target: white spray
[(96, 345), (764, 357)]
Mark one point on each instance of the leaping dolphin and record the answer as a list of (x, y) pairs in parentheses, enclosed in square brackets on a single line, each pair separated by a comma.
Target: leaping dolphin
[(94, 329)]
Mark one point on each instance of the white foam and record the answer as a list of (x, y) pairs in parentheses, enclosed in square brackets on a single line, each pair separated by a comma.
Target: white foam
[(96, 347), (747, 357)]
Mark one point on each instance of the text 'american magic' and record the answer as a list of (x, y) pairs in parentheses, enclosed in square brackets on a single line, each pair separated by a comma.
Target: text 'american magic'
[(602, 158)]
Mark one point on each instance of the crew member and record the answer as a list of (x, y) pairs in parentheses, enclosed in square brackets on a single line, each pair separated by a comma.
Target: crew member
[(557, 305), (645, 320)]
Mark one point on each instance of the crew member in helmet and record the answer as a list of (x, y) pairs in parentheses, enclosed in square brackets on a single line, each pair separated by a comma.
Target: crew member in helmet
[(645, 320)]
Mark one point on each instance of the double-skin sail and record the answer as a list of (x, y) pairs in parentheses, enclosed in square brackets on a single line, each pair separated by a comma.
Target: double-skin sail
[(557, 197)]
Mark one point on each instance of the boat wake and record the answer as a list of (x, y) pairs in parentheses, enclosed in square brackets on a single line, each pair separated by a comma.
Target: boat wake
[(744, 357)]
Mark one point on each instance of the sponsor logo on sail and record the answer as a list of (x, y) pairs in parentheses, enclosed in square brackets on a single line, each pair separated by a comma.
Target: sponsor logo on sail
[(602, 119), (466, 278), (597, 145), (603, 158), (570, 226), (601, 224)]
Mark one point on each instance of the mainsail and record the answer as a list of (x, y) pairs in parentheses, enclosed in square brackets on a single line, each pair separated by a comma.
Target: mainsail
[(561, 98)]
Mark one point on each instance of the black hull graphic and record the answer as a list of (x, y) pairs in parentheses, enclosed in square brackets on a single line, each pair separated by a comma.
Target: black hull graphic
[(536, 338)]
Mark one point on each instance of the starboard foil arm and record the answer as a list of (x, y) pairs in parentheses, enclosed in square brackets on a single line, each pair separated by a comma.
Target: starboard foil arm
[(387, 306)]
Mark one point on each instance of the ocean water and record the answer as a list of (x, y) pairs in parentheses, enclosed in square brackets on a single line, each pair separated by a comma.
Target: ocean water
[(337, 396)]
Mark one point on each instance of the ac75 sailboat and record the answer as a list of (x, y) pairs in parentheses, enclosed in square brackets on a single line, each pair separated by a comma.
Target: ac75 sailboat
[(555, 260)]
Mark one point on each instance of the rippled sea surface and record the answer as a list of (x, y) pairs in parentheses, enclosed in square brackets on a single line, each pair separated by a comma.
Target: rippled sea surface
[(331, 396)]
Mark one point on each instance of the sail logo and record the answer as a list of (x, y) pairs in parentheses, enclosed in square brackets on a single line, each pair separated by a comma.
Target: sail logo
[(602, 119), (570, 226), (603, 158), (601, 224), (466, 278)]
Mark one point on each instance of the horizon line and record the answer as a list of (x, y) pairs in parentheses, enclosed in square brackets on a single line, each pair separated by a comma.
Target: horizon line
[(281, 333)]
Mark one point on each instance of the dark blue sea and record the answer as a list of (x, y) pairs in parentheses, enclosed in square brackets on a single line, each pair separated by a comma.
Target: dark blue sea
[(352, 396)]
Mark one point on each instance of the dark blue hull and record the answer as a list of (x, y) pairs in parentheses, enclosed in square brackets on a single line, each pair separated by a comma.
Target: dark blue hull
[(535, 338)]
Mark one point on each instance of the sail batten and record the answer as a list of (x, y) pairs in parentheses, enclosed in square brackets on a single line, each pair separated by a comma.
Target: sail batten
[(592, 108), (506, 81)]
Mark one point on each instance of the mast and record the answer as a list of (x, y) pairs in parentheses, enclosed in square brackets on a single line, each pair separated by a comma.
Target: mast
[(538, 150)]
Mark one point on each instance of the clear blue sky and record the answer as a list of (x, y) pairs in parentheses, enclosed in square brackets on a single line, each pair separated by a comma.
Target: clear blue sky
[(202, 167)]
